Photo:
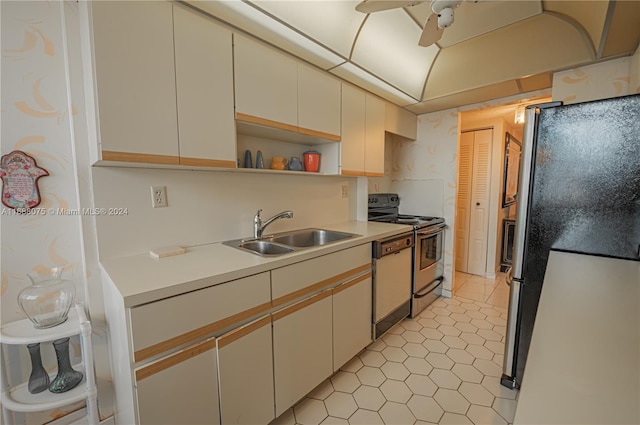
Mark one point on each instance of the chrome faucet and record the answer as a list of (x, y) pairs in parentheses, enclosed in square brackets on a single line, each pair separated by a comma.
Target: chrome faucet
[(259, 226)]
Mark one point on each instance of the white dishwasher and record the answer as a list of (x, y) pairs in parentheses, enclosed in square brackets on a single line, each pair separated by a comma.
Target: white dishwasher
[(392, 265)]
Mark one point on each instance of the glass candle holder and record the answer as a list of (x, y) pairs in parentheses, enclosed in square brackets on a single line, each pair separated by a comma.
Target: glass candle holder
[(48, 300)]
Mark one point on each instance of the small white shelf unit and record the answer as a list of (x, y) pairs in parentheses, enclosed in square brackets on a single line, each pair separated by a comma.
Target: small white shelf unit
[(18, 399)]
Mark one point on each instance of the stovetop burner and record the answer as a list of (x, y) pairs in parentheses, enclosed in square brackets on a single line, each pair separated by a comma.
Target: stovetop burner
[(383, 207)]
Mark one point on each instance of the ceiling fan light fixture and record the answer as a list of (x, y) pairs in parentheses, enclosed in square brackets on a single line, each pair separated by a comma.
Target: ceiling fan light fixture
[(445, 18)]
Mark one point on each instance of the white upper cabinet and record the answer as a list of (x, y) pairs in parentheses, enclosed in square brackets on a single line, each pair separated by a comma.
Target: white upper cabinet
[(318, 103), (266, 83), (353, 131), (374, 138), (401, 122), (135, 80), (363, 123), (204, 82)]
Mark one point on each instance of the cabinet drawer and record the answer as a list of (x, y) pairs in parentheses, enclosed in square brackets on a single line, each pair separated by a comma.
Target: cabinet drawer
[(173, 322), (301, 279)]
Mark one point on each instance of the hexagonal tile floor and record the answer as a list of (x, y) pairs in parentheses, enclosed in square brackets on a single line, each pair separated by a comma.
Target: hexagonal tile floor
[(441, 367)]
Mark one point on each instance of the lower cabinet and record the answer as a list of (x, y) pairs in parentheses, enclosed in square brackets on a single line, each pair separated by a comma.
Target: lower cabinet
[(302, 348), (246, 374), (352, 330), (181, 388)]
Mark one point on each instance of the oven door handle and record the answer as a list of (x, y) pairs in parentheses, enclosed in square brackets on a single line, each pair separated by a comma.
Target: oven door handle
[(431, 287), (432, 232)]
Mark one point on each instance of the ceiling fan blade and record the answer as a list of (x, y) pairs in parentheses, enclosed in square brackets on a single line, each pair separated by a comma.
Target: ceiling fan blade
[(431, 33), (371, 6)]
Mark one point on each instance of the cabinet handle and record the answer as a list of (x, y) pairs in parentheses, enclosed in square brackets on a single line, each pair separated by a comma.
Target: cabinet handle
[(174, 359), (350, 283), (236, 334), (319, 285), (302, 304)]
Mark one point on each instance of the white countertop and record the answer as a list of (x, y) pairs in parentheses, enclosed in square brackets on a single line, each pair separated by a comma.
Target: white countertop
[(584, 362), (142, 278)]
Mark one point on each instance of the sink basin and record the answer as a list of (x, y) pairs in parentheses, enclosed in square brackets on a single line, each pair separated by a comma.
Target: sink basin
[(265, 248), (286, 242), (310, 237)]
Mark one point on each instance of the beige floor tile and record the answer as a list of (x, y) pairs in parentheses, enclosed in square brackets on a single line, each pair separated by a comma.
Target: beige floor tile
[(471, 338), (445, 379), (485, 416), (476, 394), (461, 317), (479, 351), (469, 305), (489, 334), (393, 340), (451, 401), (435, 346), (495, 347), (330, 420), (466, 327), (422, 385), (478, 315), (432, 333), (287, 418), (454, 342), (415, 350), (467, 373), (372, 358), (377, 345), (425, 408), (353, 365), (454, 419), (445, 320), (365, 417), (505, 407), (441, 311), (418, 366), (413, 336), (460, 356), (371, 376), (498, 359), (488, 367), (411, 325), (396, 371), (395, 354), (492, 384), (310, 411), (370, 398), (396, 391), (439, 360), (449, 330), (340, 405), (322, 391), (396, 413), (346, 382), (490, 312)]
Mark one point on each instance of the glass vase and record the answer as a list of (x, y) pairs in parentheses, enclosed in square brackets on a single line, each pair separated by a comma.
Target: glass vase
[(67, 378), (39, 378), (48, 300)]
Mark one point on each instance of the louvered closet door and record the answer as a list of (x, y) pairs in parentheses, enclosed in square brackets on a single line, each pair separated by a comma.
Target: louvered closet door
[(463, 203), (479, 211), (472, 205)]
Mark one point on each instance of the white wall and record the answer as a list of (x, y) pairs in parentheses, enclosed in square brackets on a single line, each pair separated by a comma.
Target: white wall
[(207, 206)]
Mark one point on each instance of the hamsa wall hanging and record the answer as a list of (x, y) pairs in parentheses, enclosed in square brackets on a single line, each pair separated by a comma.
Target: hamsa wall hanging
[(20, 174)]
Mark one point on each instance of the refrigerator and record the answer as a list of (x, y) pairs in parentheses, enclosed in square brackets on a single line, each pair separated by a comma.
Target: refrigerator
[(578, 192)]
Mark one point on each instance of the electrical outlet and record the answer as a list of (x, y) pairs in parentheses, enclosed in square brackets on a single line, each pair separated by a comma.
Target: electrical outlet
[(345, 191), (159, 196)]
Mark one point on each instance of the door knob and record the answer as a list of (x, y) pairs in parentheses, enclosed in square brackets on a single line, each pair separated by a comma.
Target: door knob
[(477, 204)]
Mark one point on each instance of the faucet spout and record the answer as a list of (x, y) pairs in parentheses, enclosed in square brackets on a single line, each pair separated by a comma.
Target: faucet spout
[(259, 225)]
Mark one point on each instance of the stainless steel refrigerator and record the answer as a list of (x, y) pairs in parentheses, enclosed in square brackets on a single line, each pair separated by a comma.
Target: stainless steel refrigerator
[(579, 192)]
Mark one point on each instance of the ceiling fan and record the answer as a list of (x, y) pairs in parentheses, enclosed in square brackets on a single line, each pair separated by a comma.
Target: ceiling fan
[(440, 18)]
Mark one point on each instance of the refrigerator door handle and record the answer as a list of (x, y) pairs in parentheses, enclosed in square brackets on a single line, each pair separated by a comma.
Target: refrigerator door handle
[(509, 277)]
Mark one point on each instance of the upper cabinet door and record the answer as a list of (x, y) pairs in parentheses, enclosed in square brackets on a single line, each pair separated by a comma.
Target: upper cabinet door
[(204, 82), (318, 103), (401, 122), (135, 78), (374, 147), (266, 83), (353, 131)]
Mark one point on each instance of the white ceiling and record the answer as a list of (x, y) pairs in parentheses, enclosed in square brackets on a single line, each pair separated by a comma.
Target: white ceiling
[(494, 48)]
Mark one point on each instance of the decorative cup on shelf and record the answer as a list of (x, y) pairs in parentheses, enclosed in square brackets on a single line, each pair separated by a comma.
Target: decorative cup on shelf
[(48, 300), (67, 377), (248, 163), (295, 164), (279, 163), (259, 160)]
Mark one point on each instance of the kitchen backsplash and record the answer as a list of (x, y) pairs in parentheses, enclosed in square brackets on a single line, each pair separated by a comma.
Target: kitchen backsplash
[(206, 207)]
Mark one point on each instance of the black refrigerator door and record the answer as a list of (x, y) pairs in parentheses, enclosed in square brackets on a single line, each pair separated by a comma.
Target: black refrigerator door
[(585, 193)]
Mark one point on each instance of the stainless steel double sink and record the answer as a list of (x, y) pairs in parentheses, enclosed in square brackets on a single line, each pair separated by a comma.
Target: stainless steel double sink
[(287, 242)]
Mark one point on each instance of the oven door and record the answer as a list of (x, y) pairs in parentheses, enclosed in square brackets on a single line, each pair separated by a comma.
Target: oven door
[(428, 261)]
